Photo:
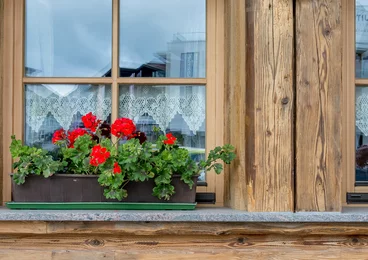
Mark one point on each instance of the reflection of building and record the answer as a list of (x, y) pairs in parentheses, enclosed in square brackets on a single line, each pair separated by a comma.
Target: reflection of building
[(185, 57), (361, 60), (145, 70)]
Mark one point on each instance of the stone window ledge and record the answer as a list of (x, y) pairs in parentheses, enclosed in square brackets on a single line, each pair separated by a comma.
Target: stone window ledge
[(198, 215)]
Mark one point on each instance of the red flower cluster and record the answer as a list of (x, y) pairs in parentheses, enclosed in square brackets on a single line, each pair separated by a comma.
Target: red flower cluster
[(170, 139), (73, 135), (117, 168), (99, 155), (59, 135), (122, 127), (90, 121)]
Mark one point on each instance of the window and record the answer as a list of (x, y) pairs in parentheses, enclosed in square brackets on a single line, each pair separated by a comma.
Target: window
[(356, 94), (157, 62)]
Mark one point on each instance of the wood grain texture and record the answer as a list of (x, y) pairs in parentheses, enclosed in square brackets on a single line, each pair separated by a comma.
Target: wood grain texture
[(185, 229), (7, 97), (269, 105), (152, 240), (318, 116), (1, 91), (235, 175)]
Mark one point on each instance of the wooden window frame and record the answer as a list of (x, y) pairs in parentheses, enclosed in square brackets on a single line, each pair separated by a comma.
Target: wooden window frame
[(14, 81)]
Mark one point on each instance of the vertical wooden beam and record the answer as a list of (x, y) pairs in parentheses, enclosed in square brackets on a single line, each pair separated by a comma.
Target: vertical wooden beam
[(1, 90), (260, 104), (115, 71), (219, 103), (7, 97), (318, 118), (235, 176), (269, 105)]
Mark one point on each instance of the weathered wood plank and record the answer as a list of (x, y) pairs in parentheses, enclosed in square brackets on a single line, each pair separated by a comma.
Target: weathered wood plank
[(269, 106), (23, 227), (1, 91), (234, 133), (100, 240), (18, 254), (319, 94), (269, 252), (192, 229)]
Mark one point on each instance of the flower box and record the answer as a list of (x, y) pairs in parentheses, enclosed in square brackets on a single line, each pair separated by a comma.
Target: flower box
[(92, 167), (85, 188)]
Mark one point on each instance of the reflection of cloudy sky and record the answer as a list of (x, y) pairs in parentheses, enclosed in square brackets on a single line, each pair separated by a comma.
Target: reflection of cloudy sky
[(73, 37)]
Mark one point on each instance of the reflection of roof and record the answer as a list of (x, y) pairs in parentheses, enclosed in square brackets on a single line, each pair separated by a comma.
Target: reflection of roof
[(144, 70), (31, 71), (154, 66)]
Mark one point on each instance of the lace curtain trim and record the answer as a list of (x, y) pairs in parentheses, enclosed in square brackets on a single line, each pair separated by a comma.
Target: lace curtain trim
[(361, 108), (162, 107), (63, 109)]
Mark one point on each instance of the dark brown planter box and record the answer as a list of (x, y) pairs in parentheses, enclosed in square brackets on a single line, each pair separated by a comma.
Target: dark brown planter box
[(85, 188)]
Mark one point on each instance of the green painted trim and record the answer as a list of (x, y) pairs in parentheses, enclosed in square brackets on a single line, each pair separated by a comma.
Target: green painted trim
[(100, 206)]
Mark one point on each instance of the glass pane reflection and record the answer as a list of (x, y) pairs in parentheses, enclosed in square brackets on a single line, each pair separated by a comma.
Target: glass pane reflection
[(68, 38), (361, 133), (51, 107), (165, 38), (179, 110), (361, 36)]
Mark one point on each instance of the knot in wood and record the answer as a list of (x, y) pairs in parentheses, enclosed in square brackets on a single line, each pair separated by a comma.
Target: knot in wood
[(94, 242), (240, 240), (285, 101)]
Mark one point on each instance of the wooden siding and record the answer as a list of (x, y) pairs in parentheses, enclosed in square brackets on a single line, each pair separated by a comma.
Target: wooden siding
[(235, 175), (118, 240), (260, 100), (318, 105), (1, 91), (271, 71)]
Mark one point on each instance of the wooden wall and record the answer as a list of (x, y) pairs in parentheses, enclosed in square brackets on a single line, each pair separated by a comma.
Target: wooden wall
[(1, 91), (318, 105), (283, 87), (119, 240), (288, 100)]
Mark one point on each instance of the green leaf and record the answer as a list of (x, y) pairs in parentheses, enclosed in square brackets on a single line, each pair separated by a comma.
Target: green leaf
[(164, 191)]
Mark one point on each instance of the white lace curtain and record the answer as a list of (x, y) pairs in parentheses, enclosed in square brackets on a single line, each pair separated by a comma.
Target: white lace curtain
[(361, 108), (162, 103)]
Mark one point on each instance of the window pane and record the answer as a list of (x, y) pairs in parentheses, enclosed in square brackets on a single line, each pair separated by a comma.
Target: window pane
[(176, 109), (361, 68), (361, 133), (165, 38), (51, 107), (68, 38)]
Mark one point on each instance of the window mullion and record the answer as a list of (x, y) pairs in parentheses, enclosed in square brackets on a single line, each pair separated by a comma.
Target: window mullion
[(115, 61)]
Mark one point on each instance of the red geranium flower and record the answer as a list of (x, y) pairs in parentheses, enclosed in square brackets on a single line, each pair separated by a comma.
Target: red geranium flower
[(122, 127), (73, 135), (117, 168), (90, 121), (170, 139), (59, 135), (99, 155)]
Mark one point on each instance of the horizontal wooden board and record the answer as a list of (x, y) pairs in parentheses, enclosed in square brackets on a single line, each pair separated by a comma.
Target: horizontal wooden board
[(180, 228), (153, 240)]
